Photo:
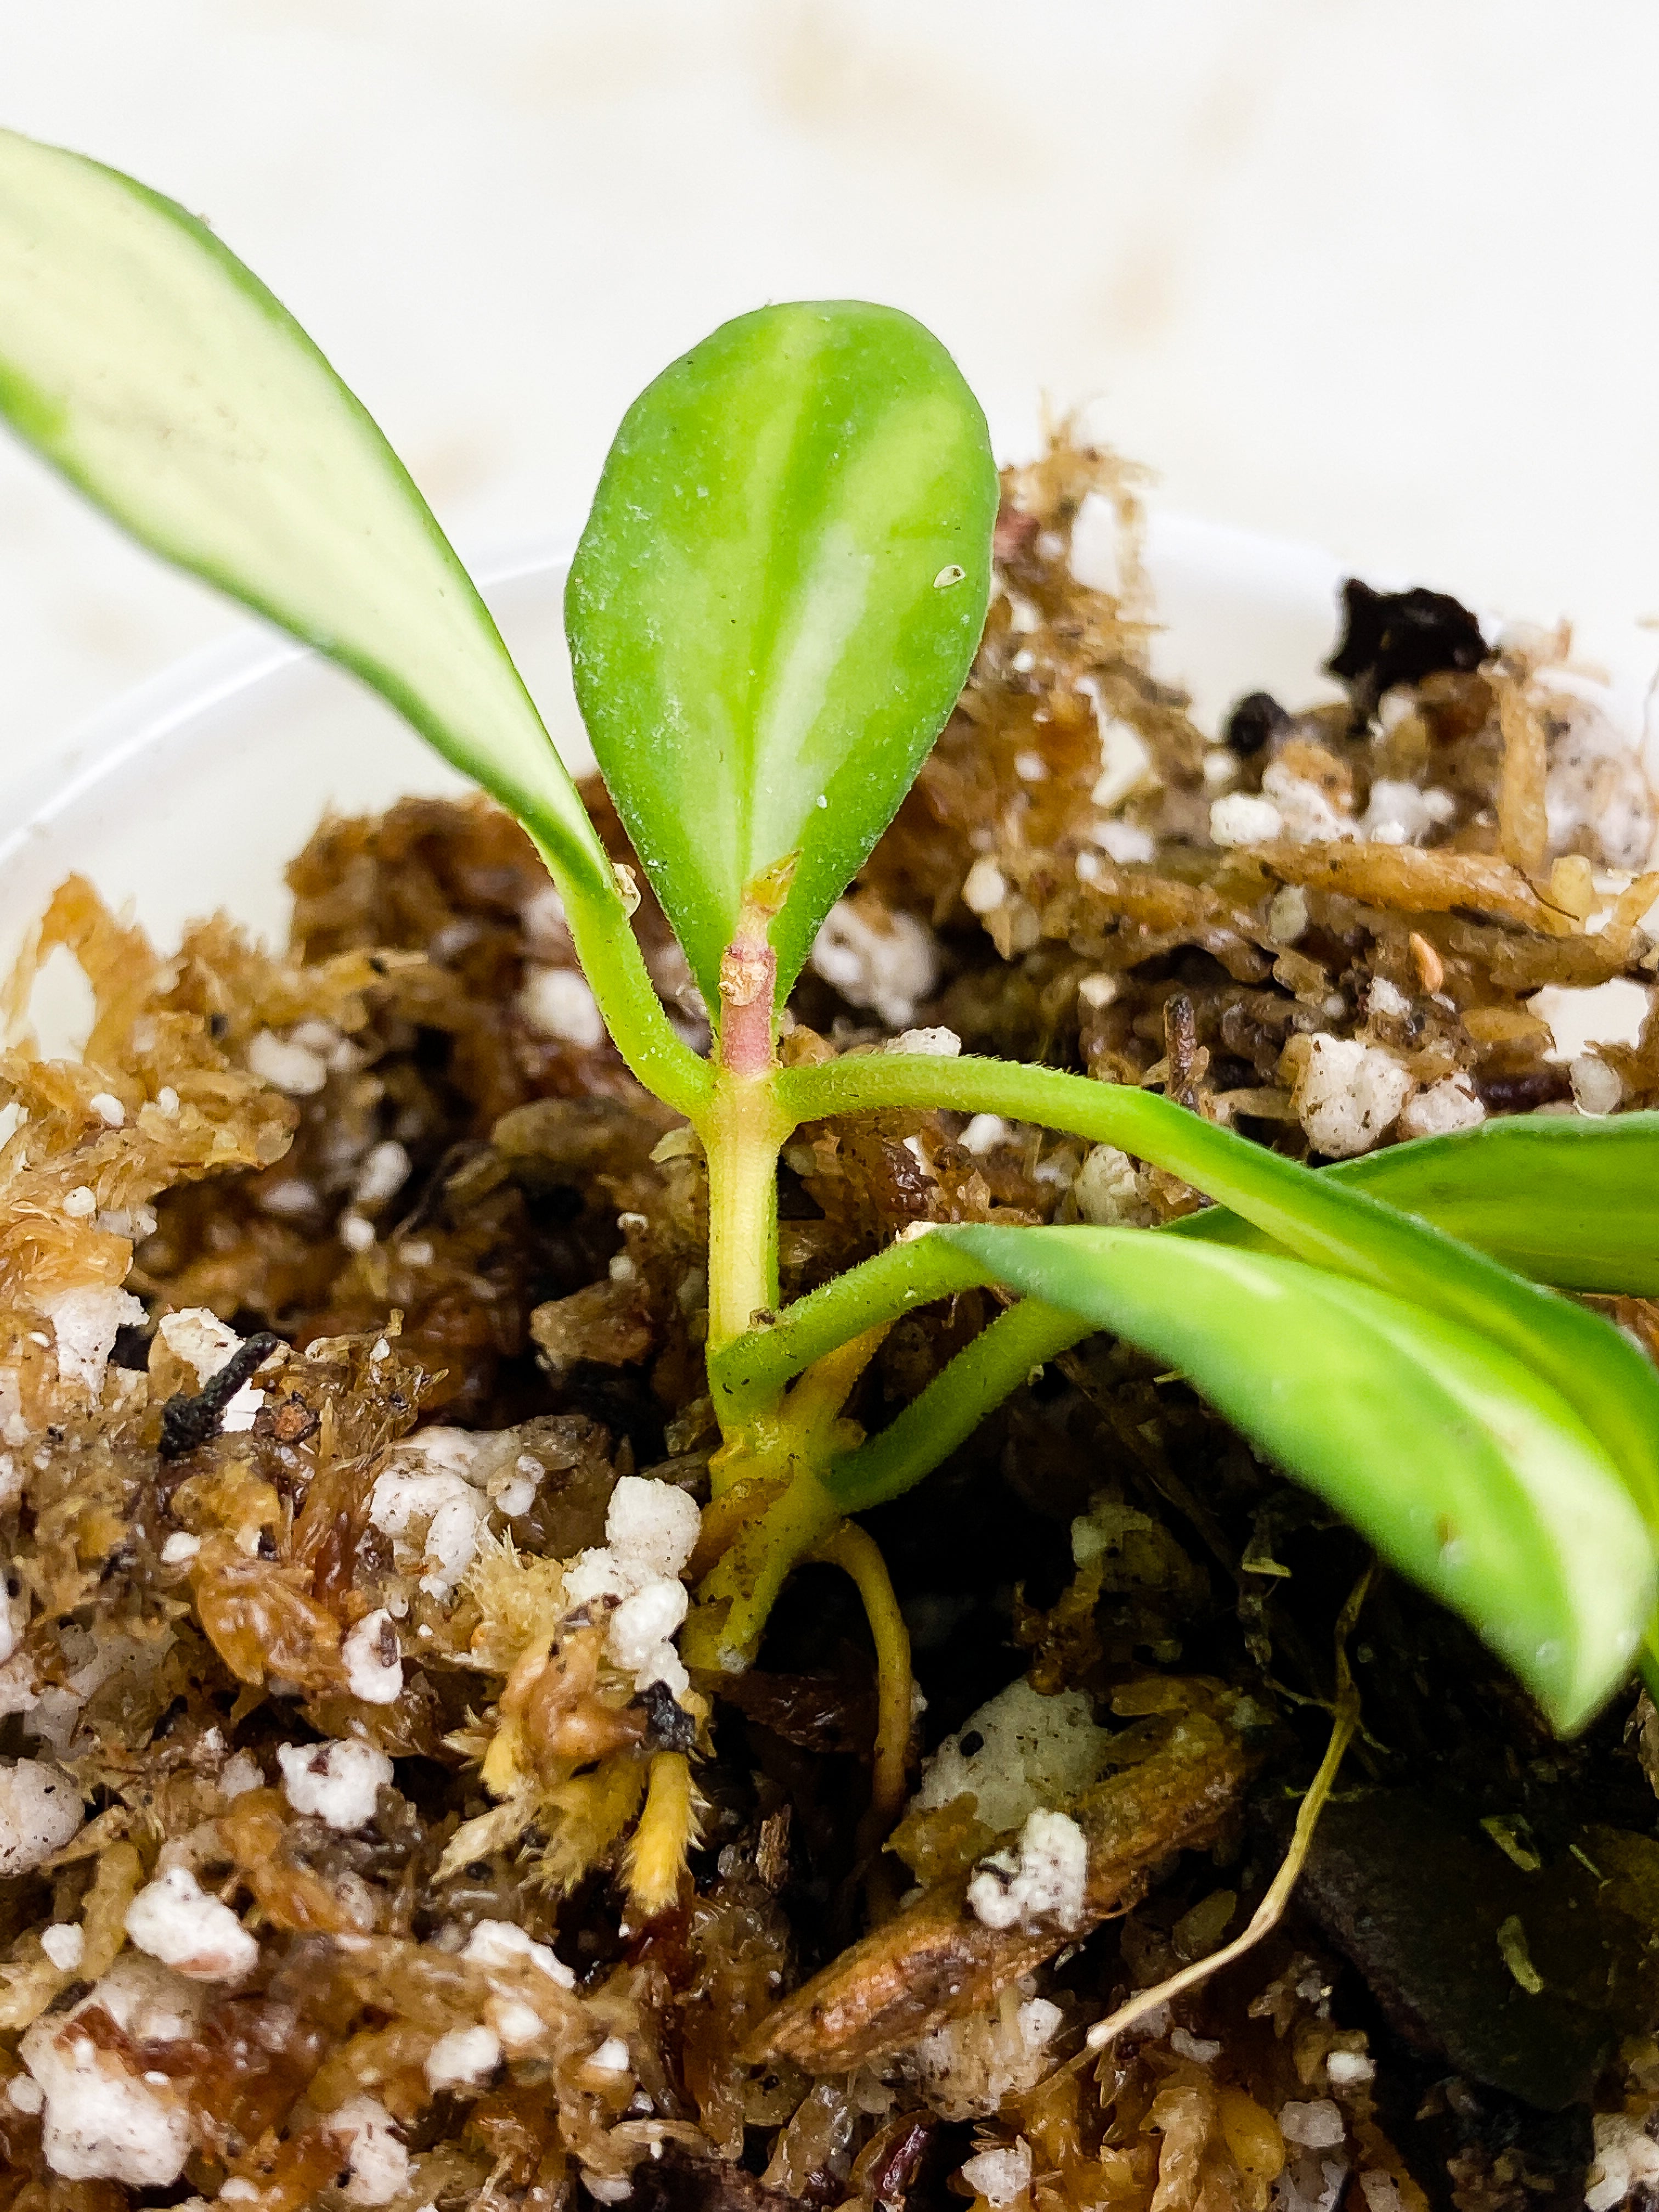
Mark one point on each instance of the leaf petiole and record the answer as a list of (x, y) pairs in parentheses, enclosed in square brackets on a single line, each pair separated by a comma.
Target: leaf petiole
[(627, 999), (927, 1431)]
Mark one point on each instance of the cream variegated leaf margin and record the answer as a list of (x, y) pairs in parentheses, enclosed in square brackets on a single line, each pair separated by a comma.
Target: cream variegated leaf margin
[(140, 358)]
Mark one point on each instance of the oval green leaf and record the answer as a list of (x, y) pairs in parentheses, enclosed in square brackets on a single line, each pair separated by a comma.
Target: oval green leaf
[(1461, 1467), (774, 605), (140, 357)]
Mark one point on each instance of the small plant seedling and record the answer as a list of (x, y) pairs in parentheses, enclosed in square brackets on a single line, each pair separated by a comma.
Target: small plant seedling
[(772, 610)]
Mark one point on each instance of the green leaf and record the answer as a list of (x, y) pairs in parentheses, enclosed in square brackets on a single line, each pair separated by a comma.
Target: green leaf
[(1321, 1218), (1463, 1469), (1564, 1198), (774, 605), (140, 357)]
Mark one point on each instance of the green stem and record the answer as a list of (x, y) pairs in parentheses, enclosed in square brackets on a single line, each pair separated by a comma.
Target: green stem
[(627, 999), (946, 1413), (753, 1370), (1312, 1214), (742, 1134)]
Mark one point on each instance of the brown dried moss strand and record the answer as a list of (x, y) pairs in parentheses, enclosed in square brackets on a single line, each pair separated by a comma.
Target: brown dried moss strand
[(1523, 828)]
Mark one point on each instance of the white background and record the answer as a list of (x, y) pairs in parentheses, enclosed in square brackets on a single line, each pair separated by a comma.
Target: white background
[(1383, 276)]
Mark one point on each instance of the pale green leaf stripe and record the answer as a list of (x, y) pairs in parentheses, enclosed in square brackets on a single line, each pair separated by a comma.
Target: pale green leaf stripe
[(140, 357), (1462, 1468), (1568, 1201), (775, 602)]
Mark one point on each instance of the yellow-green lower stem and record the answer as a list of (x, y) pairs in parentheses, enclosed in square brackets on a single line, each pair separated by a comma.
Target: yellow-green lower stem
[(739, 1592), (742, 1132)]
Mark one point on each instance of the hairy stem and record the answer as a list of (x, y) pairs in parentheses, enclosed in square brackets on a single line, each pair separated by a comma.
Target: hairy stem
[(742, 1132), (931, 1426), (627, 999), (754, 1367)]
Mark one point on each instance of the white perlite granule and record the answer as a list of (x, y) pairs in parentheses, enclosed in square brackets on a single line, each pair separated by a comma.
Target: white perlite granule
[(971, 2065), (384, 1172), (1126, 762), (1596, 1088), (1581, 1015), (1200, 2049), (201, 1339), (651, 1527), (377, 2164), (373, 1667), (1449, 1104), (1381, 2192), (1108, 1188), (1626, 2158), (1316, 2126), (1242, 818), (40, 1811), (1307, 815), (1348, 2068), (63, 1943), (1348, 1095), (651, 1530), (999, 2176), (84, 1323), (1126, 843), (983, 1134), (985, 887), (1287, 914), (463, 2056), (1401, 813), (930, 1044), (1019, 1749), (339, 1781), (555, 1002), (1596, 798), (293, 1069), (1040, 1884), (643, 1623), (424, 1480), (174, 1920), (102, 2122), (890, 965), (503, 1943)]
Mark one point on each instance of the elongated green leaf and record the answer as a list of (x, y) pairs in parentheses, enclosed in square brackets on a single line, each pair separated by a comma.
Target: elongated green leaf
[(1564, 1198), (1464, 1469), (774, 605), (139, 357), (1319, 1216)]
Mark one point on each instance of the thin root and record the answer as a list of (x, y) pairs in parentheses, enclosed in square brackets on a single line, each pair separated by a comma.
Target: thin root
[(858, 1555), (1268, 1913)]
